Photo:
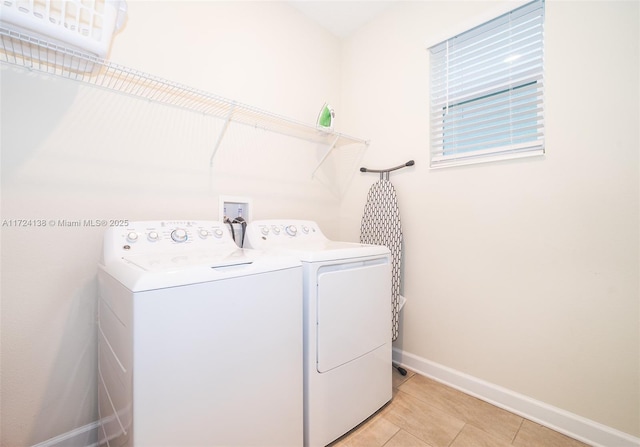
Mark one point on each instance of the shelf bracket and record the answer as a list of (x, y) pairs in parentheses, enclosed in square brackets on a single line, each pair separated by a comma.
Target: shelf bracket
[(326, 154), (225, 126)]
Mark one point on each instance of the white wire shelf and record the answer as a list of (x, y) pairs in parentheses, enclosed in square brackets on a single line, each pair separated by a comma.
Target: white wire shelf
[(43, 56)]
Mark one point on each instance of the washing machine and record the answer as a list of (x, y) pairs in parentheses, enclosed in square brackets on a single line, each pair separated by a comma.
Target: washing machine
[(347, 324), (200, 341)]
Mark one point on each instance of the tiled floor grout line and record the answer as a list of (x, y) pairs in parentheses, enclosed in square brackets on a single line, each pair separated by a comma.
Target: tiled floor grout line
[(391, 438), (517, 431), (458, 434)]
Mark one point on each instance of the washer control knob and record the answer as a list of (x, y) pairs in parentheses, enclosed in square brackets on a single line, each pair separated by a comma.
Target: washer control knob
[(203, 233), (153, 236), (305, 229), (179, 235), (275, 229), (264, 230), (218, 233), (132, 236), (291, 230)]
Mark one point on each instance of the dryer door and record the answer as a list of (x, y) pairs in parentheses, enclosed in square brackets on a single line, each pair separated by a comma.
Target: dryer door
[(354, 311)]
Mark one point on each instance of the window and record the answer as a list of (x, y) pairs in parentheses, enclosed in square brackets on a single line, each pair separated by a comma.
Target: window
[(487, 90)]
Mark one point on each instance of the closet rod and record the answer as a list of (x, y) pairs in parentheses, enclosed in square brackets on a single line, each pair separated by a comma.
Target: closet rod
[(384, 172)]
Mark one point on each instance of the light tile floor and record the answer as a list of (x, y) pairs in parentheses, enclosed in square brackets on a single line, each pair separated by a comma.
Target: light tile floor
[(425, 413)]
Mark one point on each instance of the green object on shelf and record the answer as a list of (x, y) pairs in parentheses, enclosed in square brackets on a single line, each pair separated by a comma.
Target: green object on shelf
[(325, 119)]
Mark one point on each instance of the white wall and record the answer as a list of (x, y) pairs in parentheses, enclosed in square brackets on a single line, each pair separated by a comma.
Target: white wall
[(75, 152), (524, 273)]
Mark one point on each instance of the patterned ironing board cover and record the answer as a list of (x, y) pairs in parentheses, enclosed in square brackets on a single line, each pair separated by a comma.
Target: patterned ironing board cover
[(381, 226)]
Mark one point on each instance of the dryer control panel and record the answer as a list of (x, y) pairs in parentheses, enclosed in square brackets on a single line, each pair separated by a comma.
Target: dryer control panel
[(149, 237), (262, 233)]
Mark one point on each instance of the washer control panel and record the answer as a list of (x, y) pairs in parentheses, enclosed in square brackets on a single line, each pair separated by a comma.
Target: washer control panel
[(262, 233), (148, 237)]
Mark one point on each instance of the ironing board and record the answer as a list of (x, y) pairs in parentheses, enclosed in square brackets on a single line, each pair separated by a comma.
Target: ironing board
[(381, 226)]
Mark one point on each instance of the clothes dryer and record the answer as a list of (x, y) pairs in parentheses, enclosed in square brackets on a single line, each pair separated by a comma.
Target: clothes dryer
[(200, 341), (347, 324)]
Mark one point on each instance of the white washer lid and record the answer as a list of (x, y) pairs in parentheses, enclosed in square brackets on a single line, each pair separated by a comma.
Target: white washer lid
[(168, 262), (150, 272)]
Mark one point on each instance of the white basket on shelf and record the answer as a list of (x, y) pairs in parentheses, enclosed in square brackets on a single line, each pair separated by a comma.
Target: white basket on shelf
[(83, 25)]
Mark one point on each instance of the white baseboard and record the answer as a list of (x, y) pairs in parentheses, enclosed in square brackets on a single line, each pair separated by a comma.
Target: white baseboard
[(85, 436), (577, 427)]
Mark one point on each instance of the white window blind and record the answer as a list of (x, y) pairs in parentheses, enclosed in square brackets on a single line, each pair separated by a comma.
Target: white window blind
[(487, 90)]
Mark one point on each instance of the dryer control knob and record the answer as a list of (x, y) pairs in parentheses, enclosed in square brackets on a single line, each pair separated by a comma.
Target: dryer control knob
[(132, 236), (305, 229), (291, 230), (179, 235), (218, 233), (264, 230), (203, 233), (153, 236), (275, 229)]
